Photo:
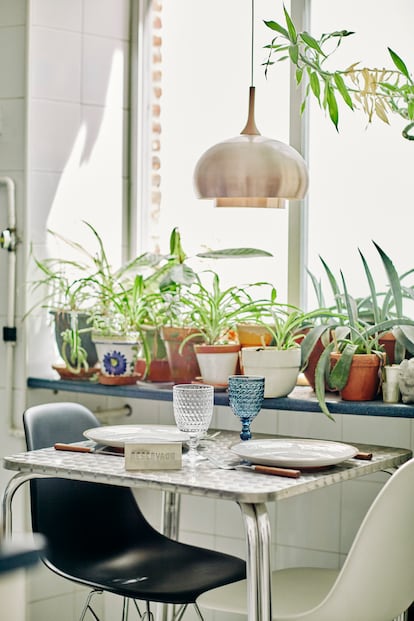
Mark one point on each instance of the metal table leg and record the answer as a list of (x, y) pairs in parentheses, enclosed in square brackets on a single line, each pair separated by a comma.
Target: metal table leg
[(11, 488), (170, 525), (257, 529)]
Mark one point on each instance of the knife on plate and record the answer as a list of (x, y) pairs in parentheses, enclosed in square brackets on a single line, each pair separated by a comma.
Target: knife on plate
[(81, 448), (281, 472)]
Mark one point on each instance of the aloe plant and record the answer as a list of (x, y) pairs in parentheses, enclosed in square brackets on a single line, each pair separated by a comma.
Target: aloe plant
[(355, 332)]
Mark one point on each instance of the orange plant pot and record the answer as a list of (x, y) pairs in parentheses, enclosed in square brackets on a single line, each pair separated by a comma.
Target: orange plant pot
[(364, 377), (183, 364)]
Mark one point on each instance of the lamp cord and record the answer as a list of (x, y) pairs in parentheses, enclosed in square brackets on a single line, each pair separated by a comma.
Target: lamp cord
[(252, 51)]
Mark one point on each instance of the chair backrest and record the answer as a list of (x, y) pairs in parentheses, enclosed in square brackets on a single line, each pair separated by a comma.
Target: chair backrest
[(56, 422), (376, 582), (77, 517)]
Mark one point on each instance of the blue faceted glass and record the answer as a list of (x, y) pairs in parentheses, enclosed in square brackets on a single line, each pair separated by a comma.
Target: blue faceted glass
[(246, 394)]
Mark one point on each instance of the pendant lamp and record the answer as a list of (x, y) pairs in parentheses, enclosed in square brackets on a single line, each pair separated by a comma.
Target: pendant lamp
[(251, 170)]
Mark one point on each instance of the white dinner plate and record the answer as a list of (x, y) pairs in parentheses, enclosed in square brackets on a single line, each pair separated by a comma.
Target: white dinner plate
[(294, 452), (117, 435)]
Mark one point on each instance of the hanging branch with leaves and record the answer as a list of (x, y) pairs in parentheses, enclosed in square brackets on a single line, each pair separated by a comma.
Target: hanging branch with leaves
[(377, 92)]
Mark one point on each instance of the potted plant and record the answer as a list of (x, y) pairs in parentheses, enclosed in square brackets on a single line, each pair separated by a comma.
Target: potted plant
[(281, 361), (374, 308), (119, 331), (82, 291), (354, 342), (66, 294), (213, 312), (178, 327)]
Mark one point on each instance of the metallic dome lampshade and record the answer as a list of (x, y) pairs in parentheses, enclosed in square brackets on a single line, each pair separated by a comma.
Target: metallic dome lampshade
[(251, 170)]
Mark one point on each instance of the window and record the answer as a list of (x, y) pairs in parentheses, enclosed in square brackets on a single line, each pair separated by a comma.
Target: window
[(200, 97), (359, 177)]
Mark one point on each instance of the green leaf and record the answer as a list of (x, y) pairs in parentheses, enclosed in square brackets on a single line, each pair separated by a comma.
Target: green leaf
[(277, 27), (315, 85), (310, 340), (405, 336), (332, 104), (341, 86), (299, 76), (393, 279), (322, 368), (372, 288), (334, 285), (302, 107), (234, 253), (399, 63), (294, 53), (311, 42), (339, 375), (291, 27)]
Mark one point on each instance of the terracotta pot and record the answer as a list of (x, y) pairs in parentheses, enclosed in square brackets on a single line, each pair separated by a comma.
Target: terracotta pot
[(387, 340), (217, 362), (310, 369), (159, 370), (251, 335), (364, 377), (183, 364)]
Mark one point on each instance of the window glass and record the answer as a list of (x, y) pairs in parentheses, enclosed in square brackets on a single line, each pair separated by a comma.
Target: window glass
[(203, 65), (361, 176)]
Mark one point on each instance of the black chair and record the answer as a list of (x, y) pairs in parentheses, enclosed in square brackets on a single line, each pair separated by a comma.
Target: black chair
[(97, 535)]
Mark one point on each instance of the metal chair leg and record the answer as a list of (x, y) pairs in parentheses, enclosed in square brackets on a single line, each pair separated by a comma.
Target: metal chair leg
[(198, 611), (148, 616), (137, 608), (88, 606), (125, 608), (178, 614), (402, 617)]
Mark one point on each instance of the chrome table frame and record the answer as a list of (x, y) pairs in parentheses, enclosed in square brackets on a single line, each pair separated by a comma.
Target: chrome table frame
[(251, 491)]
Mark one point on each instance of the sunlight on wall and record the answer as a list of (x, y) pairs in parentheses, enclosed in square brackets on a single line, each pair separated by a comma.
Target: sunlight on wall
[(91, 184)]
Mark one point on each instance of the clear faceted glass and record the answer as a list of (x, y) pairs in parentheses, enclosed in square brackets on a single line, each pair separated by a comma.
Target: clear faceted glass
[(193, 410), (246, 394)]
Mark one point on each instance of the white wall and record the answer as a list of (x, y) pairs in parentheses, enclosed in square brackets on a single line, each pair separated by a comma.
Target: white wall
[(63, 124)]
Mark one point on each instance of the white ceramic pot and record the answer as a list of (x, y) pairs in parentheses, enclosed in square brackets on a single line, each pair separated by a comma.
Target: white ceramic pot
[(217, 362), (117, 357), (279, 367)]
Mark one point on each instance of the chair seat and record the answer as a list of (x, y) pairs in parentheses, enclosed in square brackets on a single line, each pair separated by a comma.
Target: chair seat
[(309, 585), (164, 571)]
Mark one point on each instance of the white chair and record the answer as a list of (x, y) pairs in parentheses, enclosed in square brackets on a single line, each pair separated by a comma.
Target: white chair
[(376, 582)]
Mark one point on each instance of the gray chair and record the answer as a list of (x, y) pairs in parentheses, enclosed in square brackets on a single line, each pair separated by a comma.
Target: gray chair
[(98, 537)]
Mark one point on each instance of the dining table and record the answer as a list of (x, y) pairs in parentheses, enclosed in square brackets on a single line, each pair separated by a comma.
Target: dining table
[(251, 490)]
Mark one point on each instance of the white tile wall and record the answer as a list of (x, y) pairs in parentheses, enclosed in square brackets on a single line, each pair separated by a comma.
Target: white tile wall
[(12, 45), (13, 13), (56, 148), (108, 18), (56, 64), (61, 14)]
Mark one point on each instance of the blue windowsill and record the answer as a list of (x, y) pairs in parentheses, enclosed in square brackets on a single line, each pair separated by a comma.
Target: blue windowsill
[(302, 399)]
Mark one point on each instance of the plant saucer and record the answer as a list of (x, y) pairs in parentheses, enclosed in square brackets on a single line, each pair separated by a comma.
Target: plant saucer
[(66, 374), (217, 387)]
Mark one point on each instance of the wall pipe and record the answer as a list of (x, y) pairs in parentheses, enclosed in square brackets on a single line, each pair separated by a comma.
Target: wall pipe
[(8, 241)]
